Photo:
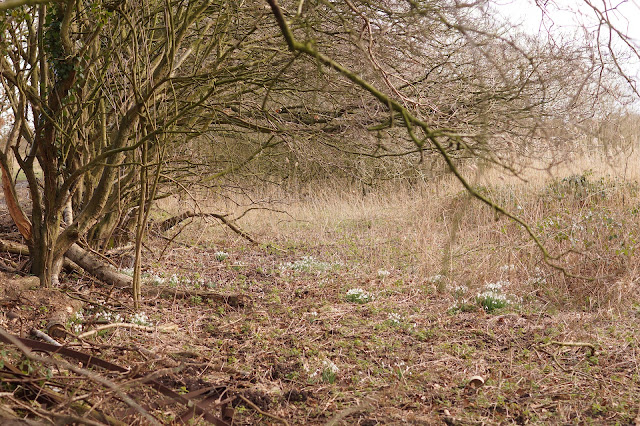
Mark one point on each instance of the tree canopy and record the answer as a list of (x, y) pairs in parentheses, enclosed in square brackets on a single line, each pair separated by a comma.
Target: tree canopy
[(114, 104)]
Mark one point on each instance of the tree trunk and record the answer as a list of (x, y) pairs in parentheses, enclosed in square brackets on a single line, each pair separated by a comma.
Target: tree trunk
[(78, 258), (42, 255)]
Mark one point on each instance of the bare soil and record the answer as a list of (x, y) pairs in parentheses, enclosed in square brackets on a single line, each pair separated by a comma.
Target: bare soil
[(301, 352), (345, 319)]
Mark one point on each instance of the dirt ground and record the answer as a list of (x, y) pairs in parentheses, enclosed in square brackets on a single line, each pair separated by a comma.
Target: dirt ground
[(340, 319), (301, 351)]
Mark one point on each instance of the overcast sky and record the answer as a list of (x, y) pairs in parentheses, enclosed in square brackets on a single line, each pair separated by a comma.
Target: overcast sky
[(571, 16)]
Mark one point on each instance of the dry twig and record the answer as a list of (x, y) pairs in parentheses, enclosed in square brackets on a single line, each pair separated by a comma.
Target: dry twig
[(264, 413), (96, 330)]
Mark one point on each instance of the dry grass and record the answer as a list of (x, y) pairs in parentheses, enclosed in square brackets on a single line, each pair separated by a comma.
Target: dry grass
[(314, 348)]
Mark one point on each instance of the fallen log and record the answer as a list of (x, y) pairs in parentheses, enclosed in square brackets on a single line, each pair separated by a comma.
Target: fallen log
[(97, 268), (13, 247), (78, 258)]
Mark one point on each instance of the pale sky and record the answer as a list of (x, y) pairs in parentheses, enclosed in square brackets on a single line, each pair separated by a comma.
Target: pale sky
[(569, 14), (569, 17)]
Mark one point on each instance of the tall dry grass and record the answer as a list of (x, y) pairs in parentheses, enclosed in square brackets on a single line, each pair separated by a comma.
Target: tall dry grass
[(584, 211)]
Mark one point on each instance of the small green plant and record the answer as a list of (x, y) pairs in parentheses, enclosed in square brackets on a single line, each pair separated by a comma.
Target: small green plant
[(440, 282), (358, 295), (196, 300), (328, 376), (329, 371), (26, 366), (221, 256), (3, 356), (394, 319), (462, 307), (307, 264), (492, 298), (74, 323)]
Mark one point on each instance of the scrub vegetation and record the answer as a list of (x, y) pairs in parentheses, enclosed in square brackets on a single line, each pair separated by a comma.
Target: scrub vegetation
[(317, 212)]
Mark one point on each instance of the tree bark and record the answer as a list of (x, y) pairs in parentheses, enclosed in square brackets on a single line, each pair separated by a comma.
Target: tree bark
[(97, 268), (77, 257)]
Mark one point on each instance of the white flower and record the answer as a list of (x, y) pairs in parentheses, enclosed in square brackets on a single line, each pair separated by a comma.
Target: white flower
[(394, 318), (490, 294), (493, 287), (507, 268), (460, 289), (109, 316), (329, 365), (306, 264), (497, 286), (221, 255), (436, 278), (359, 295), (382, 273), (155, 279), (141, 318)]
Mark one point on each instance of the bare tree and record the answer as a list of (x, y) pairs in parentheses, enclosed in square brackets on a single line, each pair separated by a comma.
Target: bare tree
[(115, 103), (98, 92)]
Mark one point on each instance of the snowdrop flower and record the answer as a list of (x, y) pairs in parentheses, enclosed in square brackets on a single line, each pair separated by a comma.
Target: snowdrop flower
[(382, 273), (140, 318), (460, 289), (359, 295), (329, 365), (221, 255), (394, 318)]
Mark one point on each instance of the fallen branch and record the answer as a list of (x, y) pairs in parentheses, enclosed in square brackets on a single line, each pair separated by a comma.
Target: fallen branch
[(264, 413), (339, 417), (96, 330), (13, 247), (236, 300), (21, 249), (28, 347), (97, 268), (167, 224), (81, 371), (591, 346), (44, 336)]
